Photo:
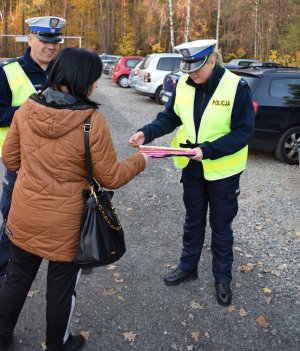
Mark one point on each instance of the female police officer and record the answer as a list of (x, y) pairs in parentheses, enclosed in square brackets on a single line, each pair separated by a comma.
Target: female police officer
[(213, 109)]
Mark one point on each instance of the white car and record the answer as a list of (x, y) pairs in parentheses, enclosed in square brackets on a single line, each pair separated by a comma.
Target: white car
[(152, 71)]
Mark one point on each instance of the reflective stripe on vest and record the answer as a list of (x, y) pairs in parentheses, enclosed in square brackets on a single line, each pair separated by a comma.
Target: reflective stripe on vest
[(21, 88), (212, 127)]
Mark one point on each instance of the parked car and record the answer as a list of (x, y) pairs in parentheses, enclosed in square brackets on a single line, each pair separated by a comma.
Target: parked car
[(121, 69), (107, 62), (134, 75), (276, 98), (242, 62), (152, 72), (169, 84)]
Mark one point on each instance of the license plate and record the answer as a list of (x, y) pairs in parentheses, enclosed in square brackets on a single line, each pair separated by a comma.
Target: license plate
[(165, 98)]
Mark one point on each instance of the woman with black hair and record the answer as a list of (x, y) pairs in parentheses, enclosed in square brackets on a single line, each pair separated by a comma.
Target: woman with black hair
[(46, 145)]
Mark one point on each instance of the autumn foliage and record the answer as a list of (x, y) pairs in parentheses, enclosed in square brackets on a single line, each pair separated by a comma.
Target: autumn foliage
[(262, 29)]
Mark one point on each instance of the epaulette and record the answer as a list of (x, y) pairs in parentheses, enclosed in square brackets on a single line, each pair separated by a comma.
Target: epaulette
[(6, 62), (242, 82)]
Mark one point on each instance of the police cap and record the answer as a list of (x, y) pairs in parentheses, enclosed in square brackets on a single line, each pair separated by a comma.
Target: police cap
[(47, 28), (195, 54)]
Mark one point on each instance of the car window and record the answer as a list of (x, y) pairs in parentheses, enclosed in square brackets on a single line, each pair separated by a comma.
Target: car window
[(286, 88), (244, 63), (177, 62), (131, 62), (146, 62), (165, 64)]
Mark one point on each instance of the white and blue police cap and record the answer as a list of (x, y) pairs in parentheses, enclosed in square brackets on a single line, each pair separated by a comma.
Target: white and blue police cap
[(195, 54), (47, 28)]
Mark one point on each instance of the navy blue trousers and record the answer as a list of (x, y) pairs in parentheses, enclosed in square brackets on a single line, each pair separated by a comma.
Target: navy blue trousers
[(9, 180), (220, 196)]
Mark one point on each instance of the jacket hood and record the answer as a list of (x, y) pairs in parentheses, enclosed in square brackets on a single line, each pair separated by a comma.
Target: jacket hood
[(53, 121)]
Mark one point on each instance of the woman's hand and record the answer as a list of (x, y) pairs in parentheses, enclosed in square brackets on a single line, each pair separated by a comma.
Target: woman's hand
[(199, 154), (137, 139)]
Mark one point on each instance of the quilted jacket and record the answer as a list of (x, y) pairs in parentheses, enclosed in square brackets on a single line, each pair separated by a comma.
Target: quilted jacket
[(46, 145)]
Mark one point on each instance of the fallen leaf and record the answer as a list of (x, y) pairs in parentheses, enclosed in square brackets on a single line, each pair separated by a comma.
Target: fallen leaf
[(117, 275), (33, 293), (298, 234), (109, 292), (120, 297), (129, 336), (262, 322), (111, 267), (230, 308), (243, 312), (267, 290), (129, 209), (119, 280), (86, 334), (247, 268), (195, 335), (196, 306)]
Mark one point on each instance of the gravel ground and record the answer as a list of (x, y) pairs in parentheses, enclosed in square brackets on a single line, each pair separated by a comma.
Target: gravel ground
[(126, 306)]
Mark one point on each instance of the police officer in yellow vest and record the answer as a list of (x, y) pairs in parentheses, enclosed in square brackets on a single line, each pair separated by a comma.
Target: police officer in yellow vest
[(212, 109), (19, 78)]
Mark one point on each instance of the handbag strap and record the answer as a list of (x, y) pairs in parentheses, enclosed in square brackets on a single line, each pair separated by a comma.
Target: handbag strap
[(87, 129)]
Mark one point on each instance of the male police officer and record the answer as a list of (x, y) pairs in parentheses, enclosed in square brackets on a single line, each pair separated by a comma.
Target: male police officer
[(214, 111), (19, 78)]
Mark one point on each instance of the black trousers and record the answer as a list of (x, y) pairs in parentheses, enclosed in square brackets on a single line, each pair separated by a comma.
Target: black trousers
[(62, 278), (221, 197)]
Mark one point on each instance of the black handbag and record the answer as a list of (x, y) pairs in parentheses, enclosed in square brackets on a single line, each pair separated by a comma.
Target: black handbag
[(101, 234)]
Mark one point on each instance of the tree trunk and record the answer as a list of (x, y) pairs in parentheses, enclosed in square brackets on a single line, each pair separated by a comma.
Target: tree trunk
[(188, 21), (171, 25), (218, 23)]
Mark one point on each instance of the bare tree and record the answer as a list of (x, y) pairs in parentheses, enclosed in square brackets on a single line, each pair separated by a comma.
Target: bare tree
[(171, 25), (218, 23), (188, 21)]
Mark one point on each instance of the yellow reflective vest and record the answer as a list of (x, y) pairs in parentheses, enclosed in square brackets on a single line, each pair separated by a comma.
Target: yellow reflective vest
[(215, 123), (21, 88)]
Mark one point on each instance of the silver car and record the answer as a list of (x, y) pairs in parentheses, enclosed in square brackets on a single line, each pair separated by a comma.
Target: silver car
[(134, 75), (152, 71)]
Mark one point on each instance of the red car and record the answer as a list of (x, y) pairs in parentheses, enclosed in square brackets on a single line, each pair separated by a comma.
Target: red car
[(122, 68)]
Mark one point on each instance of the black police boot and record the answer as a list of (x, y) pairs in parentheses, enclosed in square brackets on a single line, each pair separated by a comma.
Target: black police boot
[(178, 276), (74, 343), (224, 294)]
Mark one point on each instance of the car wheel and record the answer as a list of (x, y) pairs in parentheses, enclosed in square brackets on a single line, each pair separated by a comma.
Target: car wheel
[(288, 146), (123, 82), (158, 95)]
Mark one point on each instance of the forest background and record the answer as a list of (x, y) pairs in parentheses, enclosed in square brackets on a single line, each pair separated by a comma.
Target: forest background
[(257, 29)]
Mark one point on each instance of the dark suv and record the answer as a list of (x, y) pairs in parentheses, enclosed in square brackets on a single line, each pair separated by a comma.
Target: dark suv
[(276, 100)]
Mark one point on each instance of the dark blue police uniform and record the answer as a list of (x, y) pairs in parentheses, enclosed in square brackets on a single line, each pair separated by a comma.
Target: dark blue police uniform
[(199, 194), (38, 78)]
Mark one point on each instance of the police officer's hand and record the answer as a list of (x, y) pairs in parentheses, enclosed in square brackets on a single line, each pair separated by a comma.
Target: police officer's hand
[(198, 156), (137, 139)]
